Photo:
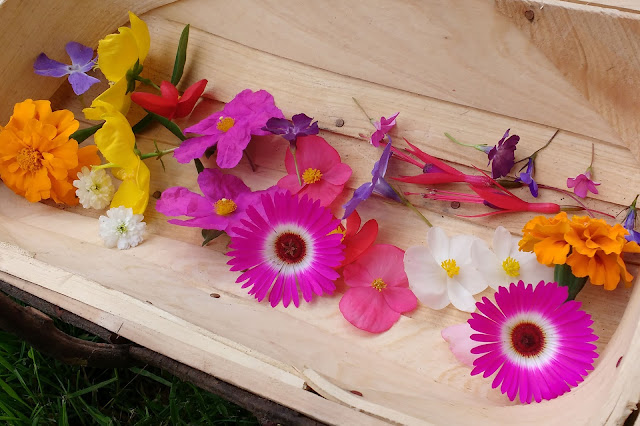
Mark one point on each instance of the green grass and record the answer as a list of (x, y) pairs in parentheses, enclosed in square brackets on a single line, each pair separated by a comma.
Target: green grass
[(38, 390)]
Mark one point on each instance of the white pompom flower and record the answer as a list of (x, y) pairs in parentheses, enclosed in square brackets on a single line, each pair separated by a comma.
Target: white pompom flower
[(121, 228), (506, 264), (442, 272), (95, 188)]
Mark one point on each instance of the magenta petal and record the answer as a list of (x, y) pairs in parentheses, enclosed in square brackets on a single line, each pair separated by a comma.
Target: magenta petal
[(323, 191), (338, 174), (193, 148), (290, 183), (215, 185), (400, 299), (231, 146), (179, 201), (366, 309)]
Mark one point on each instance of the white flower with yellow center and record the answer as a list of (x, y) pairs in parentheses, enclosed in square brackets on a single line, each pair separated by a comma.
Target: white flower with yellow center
[(121, 228), (442, 272), (95, 188), (506, 264)]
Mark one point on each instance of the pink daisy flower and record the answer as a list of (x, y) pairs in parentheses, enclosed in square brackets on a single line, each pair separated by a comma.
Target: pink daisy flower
[(323, 173), (379, 291), (382, 128), (286, 247), (538, 343), (230, 129)]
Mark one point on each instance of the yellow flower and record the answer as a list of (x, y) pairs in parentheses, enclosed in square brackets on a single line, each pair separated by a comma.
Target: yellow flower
[(116, 141), (117, 54), (37, 159)]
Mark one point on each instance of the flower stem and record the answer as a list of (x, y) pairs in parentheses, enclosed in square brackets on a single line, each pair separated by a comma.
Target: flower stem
[(535, 154), (363, 111), (105, 166), (590, 168), (479, 147), (295, 161), (170, 125), (147, 82), (411, 206), (157, 153)]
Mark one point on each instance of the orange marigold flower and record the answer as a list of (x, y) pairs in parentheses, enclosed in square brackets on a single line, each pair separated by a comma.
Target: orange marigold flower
[(37, 158), (592, 247)]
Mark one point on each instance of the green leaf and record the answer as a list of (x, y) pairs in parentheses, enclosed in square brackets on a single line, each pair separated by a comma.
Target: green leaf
[(91, 388), (81, 135), (210, 235), (170, 125), (142, 124), (150, 375), (181, 56), (564, 277), (9, 390)]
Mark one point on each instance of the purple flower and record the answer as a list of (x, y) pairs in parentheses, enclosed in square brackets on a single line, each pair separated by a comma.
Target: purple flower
[(230, 129), (222, 207), (383, 127), (378, 184), (502, 156), (527, 178), (82, 61), (630, 223), (583, 184), (300, 125)]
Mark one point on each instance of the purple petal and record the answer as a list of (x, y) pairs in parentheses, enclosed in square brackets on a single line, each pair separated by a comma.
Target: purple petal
[(362, 193), (80, 54), (48, 67), (193, 148), (301, 121), (215, 185), (383, 188), (80, 82)]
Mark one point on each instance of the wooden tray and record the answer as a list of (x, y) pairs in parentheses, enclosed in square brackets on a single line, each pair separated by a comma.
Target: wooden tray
[(472, 68)]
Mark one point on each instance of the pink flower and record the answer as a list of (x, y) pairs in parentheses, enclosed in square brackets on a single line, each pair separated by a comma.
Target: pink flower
[(230, 129), (323, 175), (357, 240), (459, 339), (224, 202), (383, 127), (379, 290), (582, 184)]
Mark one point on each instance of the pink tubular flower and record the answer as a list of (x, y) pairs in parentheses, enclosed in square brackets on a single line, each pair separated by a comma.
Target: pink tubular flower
[(224, 202), (538, 343), (284, 244), (583, 184), (323, 175), (382, 128), (230, 129), (379, 291)]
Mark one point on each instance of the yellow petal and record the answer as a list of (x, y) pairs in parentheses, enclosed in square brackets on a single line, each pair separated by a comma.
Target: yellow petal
[(117, 53), (134, 193), (141, 34), (115, 140), (112, 99)]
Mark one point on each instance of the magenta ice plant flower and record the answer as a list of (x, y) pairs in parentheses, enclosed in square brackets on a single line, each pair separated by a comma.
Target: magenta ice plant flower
[(582, 184), (82, 61), (378, 289), (382, 128), (230, 129), (539, 345), (222, 206), (286, 245)]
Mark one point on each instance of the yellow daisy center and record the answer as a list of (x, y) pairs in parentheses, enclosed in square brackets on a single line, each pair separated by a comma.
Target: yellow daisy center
[(225, 206), (225, 123), (511, 267), (450, 267), (379, 284), (29, 159), (311, 175)]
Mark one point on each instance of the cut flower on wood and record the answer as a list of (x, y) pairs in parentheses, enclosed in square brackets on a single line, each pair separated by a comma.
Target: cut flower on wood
[(121, 228)]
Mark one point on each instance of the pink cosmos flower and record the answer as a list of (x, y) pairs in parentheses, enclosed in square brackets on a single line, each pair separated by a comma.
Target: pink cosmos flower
[(224, 203), (538, 344), (583, 184), (285, 244), (383, 127), (230, 129), (459, 339), (379, 291), (323, 174)]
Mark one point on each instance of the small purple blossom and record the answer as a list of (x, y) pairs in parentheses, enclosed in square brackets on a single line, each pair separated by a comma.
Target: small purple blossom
[(630, 223), (300, 125), (382, 128), (527, 178), (230, 129), (82, 61), (377, 185), (502, 156), (582, 184)]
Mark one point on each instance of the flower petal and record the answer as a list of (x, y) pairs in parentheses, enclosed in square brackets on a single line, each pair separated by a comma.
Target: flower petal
[(366, 309)]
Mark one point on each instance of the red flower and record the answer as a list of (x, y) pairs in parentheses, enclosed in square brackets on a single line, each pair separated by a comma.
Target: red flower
[(357, 240), (170, 104)]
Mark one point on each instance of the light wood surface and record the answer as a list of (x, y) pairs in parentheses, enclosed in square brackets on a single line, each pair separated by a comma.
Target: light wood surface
[(158, 294)]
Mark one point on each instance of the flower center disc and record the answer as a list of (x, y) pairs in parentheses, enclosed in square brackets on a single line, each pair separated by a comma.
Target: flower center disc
[(450, 267), (225, 206), (311, 176), (379, 284), (511, 267), (29, 159), (527, 339), (290, 247), (224, 124)]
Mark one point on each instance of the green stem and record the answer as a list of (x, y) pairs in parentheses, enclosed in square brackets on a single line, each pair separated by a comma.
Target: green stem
[(411, 206), (157, 153), (535, 154), (170, 125), (363, 111), (142, 124), (590, 168), (479, 147), (147, 82), (295, 161), (105, 166)]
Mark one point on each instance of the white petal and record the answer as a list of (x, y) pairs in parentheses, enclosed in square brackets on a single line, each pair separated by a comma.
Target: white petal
[(459, 296), (471, 279), (487, 264), (426, 277), (503, 242), (460, 249), (438, 243), (532, 271)]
